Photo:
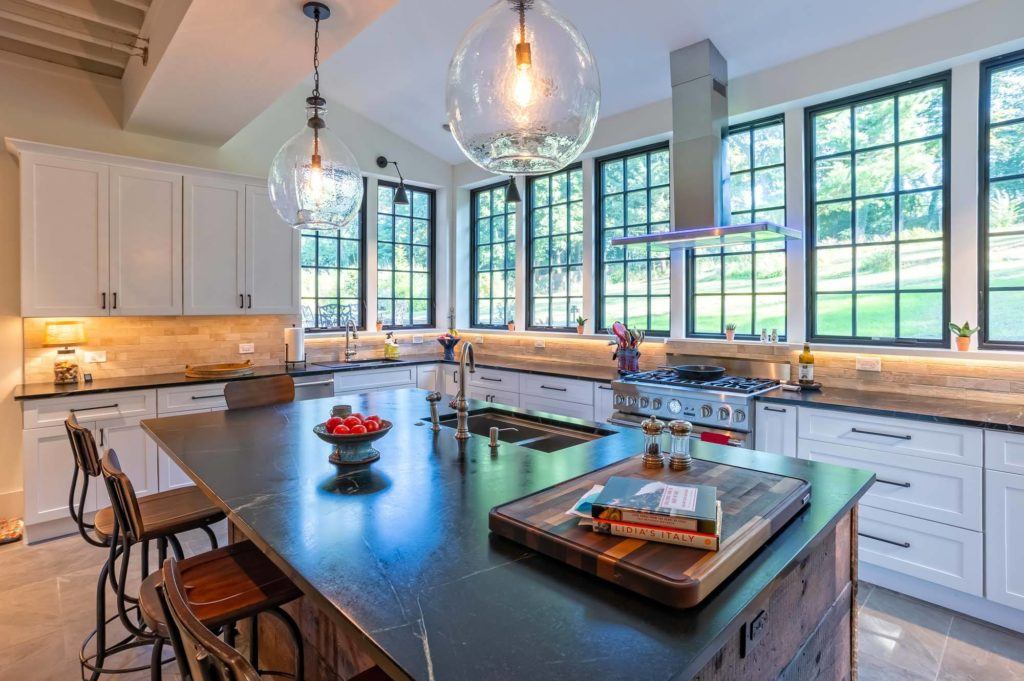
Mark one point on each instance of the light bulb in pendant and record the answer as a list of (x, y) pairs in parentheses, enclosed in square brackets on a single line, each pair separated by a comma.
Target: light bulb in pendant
[(316, 180), (522, 91)]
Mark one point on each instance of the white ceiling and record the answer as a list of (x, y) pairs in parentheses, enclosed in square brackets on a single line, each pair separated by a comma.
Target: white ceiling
[(393, 72)]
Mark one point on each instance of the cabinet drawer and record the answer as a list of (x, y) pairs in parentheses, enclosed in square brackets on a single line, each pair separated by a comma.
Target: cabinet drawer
[(88, 408), (559, 389), (943, 492), (191, 397), (493, 379), (557, 407), (1004, 451), (485, 394), (948, 556), (916, 438), (347, 382)]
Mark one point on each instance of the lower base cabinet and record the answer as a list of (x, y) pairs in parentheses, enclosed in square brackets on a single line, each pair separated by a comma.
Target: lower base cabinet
[(1004, 538), (604, 404), (775, 429), (560, 407), (508, 398)]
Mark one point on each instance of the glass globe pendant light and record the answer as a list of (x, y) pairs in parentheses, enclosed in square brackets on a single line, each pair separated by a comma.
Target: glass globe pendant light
[(315, 182), (523, 90)]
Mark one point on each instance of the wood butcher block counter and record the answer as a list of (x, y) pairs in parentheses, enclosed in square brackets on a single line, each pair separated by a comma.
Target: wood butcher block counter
[(398, 567)]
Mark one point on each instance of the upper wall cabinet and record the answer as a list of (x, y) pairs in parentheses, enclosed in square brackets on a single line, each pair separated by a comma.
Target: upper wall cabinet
[(98, 240), (271, 257)]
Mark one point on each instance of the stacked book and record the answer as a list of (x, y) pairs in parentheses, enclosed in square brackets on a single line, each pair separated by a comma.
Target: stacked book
[(638, 508)]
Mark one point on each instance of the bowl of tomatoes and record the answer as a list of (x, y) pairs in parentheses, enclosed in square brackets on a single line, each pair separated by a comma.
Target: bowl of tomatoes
[(353, 436)]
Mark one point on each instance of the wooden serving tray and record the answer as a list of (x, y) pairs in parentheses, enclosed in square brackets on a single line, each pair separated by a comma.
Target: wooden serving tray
[(226, 370), (755, 505)]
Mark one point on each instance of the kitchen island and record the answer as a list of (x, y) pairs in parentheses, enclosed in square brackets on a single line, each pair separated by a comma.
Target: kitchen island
[(398, 566)]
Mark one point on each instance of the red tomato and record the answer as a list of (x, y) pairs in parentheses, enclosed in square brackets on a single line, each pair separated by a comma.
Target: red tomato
[(353, 420), (358, 430), (372, 418), (371, 426), (341, 429), (332, 423), (359, 416)]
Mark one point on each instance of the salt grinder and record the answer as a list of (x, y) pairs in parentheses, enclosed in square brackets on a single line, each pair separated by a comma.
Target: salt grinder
[(652, 429), (679, 449)]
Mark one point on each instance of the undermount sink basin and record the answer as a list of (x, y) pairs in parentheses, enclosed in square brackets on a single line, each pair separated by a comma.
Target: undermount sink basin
[(355, 362), (525, 431)]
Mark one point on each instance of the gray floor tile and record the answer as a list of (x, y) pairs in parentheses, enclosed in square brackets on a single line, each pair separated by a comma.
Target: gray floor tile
[(903, 632), (977, 652)]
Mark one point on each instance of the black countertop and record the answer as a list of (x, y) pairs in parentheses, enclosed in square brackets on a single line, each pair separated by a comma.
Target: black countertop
[(994, 415), (399, 553), (34, 391)]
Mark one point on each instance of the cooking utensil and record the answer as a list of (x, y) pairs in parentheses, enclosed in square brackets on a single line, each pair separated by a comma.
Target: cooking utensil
[(699, 372), (622, 333)]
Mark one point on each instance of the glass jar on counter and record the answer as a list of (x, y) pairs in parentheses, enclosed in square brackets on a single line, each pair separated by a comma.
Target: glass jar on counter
[(65, 367)]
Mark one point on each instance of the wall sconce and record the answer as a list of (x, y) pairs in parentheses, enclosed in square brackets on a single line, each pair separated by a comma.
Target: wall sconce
[(401, 197)]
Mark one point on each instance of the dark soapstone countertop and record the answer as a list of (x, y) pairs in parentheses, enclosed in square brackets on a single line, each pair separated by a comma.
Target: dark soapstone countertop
[(30, 391), (976, 413), (399, 553)]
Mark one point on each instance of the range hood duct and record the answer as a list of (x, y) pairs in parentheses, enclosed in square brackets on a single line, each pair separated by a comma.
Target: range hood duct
[(700, 111)]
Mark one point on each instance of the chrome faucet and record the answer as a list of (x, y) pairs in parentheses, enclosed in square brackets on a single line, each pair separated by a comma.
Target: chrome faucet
[(350, 325), (459, 403)]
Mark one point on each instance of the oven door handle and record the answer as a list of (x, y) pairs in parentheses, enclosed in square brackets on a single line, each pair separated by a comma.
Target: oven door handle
[(733, 442)]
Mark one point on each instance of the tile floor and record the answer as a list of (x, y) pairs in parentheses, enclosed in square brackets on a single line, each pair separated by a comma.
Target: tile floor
[(47, 600)]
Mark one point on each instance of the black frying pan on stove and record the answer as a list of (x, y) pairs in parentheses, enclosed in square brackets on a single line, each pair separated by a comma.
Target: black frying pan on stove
[(699, 372)]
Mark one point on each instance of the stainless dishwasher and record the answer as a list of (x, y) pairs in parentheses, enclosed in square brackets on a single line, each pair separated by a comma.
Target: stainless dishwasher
[(314, 387)]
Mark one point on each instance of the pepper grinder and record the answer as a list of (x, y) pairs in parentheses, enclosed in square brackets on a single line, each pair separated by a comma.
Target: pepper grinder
[(433, 398), (679, 450), (652, 429)]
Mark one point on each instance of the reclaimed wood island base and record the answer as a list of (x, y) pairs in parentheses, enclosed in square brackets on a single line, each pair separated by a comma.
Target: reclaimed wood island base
[(399, 569)]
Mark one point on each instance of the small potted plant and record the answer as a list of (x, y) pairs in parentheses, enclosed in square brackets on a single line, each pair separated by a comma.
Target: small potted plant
[(730, 331), (963, 335), (511, 325), (580, 321), (380, 326)]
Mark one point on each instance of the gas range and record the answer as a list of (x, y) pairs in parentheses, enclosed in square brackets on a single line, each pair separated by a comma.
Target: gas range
[(723, 405)]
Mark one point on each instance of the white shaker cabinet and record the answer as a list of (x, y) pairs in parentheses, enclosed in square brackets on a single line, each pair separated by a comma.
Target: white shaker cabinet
[(214, 246), (145, 242), (271, 257), (603, 401), (49, 466), (65, 256), (136, 451), (428, 377), (1004, 538), (775, 429)]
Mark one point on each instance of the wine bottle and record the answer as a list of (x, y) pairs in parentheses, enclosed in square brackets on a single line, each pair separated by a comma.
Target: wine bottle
[(806, 360)]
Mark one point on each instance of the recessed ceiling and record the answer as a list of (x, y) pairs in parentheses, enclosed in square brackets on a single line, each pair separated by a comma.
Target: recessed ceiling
[(98, 36), (394, 71)]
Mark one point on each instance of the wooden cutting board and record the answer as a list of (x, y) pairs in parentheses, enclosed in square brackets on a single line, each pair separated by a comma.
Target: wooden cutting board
[(755, 505)]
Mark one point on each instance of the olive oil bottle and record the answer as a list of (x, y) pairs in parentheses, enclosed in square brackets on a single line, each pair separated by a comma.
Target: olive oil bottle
[(806, 360)]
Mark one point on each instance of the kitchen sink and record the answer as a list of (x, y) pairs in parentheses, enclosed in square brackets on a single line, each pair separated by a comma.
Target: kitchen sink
[(525, 431), (355, 362)]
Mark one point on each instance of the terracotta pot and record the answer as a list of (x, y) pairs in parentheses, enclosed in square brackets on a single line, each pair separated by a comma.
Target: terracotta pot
[(579, 329), (963, 343), (511, 326), (730, 334), (380, 326)]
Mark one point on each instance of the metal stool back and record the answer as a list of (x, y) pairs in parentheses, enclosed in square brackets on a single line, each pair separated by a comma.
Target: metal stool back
[(87, 466)]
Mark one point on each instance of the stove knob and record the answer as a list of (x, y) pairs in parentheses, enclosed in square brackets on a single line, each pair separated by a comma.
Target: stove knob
[(675, 406), (644, 402), (620, 400), (656, 403), (631, 401), (724, 413), (739, 416), (706, 411)]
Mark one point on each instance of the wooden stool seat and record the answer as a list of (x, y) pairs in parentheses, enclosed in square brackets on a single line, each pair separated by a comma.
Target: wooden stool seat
[(223, 586), (164, 513)]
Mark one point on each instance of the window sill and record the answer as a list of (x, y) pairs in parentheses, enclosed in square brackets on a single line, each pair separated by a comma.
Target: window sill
[(974, 354)]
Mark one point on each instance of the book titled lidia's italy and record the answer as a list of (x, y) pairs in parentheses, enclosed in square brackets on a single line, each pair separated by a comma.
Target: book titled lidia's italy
[(690, 508), (696, 540)]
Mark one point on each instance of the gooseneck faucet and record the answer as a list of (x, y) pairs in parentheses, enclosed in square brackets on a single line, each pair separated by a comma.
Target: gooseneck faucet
[(350, 325), (459, 403)]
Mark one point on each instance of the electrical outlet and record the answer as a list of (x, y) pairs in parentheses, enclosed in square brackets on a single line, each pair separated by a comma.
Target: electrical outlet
[(539, 343), (869, 363), (417, 339), (246, 348), (479, 340), (94, 356)]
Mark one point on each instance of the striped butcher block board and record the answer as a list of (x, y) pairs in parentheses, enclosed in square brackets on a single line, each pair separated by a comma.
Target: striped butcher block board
[(755, 505)]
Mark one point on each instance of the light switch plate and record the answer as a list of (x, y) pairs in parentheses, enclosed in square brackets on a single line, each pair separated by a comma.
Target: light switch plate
[(538, 343), (94, 356), (869, 364), (246, 348), (417, 339)]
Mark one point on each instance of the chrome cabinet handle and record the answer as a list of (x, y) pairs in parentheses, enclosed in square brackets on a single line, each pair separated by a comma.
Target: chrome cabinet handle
[(491, 379), (872, 432), (102, 406), (548, 387), (780, 410), (890, 482), (901, 544)]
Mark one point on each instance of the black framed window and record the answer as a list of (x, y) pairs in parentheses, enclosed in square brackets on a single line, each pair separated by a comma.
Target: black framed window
[(1001, 197), (633, 198), (745, 284), (493, 258), (333, 273), (878, 216), (554, 213), (405, 257)]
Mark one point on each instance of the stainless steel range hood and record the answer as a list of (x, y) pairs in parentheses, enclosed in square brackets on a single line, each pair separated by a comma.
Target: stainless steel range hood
[(699, 116)]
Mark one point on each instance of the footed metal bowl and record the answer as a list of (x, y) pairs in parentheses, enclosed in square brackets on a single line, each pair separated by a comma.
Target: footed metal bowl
[(355, 449)]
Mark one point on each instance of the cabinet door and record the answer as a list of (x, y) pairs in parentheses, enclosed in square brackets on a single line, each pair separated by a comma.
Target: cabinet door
[(557, 407), (427, 377), (145, 242), (214, 246), (483, 394), (449, 379), (1004, 541), (49, 466), (271, 257), (775, 429), (64, 237), (171, 476), (603, 405), (135, 450)]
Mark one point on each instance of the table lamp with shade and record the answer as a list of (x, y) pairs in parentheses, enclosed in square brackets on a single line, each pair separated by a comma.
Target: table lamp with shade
[(65, 366)]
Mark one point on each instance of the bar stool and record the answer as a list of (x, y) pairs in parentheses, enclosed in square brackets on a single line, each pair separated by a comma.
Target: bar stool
[(259, 392), (159, 510), (224, 585), (201, 655)]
